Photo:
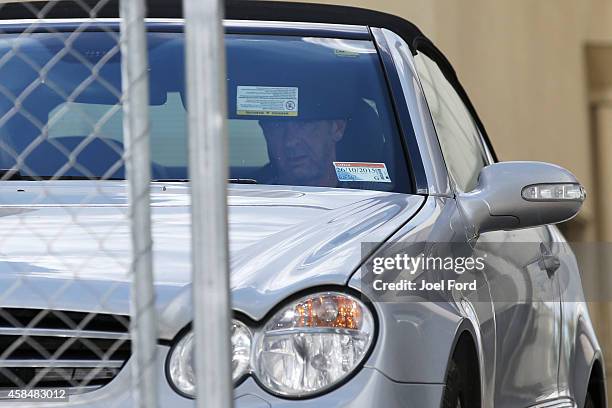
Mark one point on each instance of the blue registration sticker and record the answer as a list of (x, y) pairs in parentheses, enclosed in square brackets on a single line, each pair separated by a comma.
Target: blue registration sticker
[(360, 171)]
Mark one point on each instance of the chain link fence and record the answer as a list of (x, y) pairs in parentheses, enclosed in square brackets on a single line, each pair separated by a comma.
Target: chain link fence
[(92, 254)]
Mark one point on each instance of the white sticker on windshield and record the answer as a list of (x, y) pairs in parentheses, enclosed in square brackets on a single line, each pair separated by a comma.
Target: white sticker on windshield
[(267, 100), (346, 53), (358, 171)]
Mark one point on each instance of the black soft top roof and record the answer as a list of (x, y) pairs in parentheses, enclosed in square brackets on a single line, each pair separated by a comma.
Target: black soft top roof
[(234, 9), (320, 13)]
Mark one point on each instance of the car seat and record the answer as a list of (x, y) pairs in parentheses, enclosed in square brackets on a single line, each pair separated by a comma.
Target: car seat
[(364, 139)]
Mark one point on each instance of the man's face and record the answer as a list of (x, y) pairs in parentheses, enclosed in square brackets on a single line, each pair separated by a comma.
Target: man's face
[(303, 151)]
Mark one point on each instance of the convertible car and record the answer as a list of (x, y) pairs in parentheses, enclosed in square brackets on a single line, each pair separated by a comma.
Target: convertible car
[(358, 170)]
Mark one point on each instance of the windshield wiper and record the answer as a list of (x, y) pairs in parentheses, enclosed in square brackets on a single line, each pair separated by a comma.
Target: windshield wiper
[(242, 181), (10, 174), (14, 174), (91, 178), (230, 180)]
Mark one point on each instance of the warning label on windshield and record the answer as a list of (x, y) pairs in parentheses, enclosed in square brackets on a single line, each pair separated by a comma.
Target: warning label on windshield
[(267, 100), (358, 171)]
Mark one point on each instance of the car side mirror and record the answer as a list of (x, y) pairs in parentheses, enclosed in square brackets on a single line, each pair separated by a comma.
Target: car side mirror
[(514, 195)]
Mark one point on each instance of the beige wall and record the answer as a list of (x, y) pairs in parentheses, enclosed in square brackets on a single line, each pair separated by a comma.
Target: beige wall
[(600, 20)]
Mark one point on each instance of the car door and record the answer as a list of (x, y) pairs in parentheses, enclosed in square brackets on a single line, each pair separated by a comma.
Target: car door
[(527, 316), (525, 295)]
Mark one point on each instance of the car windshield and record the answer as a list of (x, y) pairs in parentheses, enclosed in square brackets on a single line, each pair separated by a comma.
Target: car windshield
[(302, 111)]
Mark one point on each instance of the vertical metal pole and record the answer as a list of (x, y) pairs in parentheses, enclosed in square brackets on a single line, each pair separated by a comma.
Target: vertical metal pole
[(135, 84), (206, 105)]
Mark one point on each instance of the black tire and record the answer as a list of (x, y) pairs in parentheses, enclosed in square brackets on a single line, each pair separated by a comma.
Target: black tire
[(589, 402), (453, 396)]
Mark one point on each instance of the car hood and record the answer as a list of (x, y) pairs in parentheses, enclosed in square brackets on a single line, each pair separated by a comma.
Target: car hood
[(66, 244)]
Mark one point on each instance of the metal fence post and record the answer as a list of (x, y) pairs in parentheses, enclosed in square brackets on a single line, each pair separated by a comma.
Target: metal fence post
[(138, 166), (206, 104)]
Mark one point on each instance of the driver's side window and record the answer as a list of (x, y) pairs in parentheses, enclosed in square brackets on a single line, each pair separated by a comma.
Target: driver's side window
[(458, 134)]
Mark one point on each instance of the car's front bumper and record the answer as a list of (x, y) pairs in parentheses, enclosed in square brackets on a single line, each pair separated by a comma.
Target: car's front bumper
[(369, 388), (366, 389)]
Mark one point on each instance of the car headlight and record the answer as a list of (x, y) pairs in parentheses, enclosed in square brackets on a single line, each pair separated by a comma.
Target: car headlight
[(181, 367), (313, 343), (241, 349)]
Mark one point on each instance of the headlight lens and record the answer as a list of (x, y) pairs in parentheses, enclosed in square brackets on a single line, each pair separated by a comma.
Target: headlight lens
[(241, 349), (313, 343), (181, 369), (181, 366)]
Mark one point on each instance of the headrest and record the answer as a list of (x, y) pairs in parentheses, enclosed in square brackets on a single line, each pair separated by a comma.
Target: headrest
[(363, 139)]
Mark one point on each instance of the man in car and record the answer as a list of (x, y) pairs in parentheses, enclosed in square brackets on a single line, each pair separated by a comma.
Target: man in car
[(302, 152)]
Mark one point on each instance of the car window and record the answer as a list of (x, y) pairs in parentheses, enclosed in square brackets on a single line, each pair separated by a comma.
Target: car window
[(301, 110), (458, 134)]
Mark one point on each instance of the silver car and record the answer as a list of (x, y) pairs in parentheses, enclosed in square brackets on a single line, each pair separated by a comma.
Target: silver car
[(356, 159)]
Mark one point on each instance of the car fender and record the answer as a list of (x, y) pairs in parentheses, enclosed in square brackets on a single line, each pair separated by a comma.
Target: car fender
[(416, 340), (587, 354)]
